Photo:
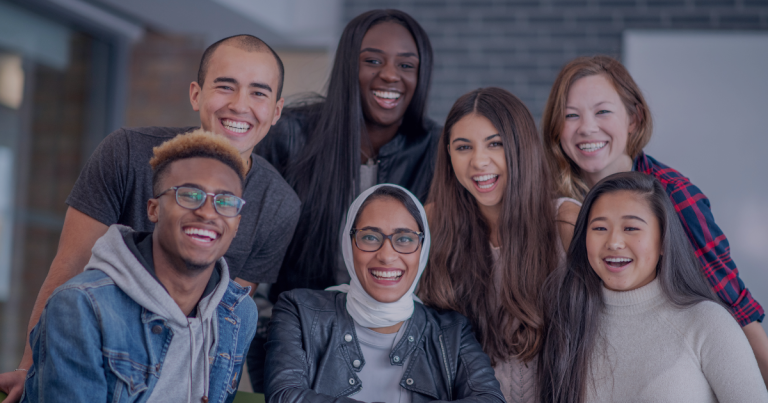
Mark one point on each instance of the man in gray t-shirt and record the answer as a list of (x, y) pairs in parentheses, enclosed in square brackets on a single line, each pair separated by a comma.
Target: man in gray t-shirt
[(238, 95)]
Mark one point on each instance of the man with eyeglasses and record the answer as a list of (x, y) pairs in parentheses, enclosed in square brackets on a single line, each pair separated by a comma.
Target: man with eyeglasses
[(155, 315), (238, 95)]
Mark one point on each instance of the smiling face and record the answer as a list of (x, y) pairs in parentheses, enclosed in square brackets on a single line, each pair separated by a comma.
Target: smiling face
[(623, 240), (389, 72), (239, 96), (194, 239), (386, 275), (596, 128), (478, 159)]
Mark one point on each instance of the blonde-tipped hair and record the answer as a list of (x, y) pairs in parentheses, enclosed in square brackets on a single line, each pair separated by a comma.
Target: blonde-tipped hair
[(568, 177), (196, 144)]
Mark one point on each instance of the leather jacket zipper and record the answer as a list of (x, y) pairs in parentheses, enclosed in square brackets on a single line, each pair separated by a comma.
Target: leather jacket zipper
[(447, 369)]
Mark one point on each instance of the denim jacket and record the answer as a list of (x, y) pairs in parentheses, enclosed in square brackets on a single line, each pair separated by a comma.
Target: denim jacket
[(108, 348), (312, 346)]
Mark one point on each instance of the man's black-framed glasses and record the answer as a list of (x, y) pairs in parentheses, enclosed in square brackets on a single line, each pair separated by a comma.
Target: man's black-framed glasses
[(193, 198), (371, 240)]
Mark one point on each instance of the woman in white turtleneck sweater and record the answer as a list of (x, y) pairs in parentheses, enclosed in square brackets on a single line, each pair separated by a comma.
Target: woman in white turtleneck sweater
[(492, 213), (631, 318)]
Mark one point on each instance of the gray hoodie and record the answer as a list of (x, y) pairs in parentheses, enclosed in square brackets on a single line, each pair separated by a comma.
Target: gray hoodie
[(185, 367)]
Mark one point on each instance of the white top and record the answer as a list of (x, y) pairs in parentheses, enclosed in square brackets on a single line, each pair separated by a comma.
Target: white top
[(651, 351)]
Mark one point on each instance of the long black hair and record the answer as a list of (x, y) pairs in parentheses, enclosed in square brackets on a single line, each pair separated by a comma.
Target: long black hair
[(575, 299), (326, 174)]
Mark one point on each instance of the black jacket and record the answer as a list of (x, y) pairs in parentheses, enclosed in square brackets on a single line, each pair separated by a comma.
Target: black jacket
[(309, 359), (407, 160)]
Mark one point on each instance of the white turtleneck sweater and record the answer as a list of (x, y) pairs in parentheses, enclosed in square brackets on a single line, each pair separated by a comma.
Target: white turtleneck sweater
[(651, 351)]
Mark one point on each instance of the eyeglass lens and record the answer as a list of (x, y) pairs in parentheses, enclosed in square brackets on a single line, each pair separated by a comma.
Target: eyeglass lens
[(369, 240), (192, 198)]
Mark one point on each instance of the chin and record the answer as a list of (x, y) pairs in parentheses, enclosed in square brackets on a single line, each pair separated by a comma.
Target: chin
[(197, 265)]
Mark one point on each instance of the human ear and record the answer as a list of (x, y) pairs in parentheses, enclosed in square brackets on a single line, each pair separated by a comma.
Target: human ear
[(278, 110), (194, 95), (153, 210)]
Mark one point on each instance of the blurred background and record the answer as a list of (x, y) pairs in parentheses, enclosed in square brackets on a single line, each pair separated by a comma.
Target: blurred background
[(71, 71)]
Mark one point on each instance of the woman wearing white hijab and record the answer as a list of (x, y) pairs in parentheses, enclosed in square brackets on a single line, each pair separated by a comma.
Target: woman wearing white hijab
[(372, 340)]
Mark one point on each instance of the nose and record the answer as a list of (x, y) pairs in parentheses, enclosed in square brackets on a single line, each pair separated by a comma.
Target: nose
[(615, 240), (480, 158), (387, 253), (207, 211), (389, 73), (238, 102), (588, 125)]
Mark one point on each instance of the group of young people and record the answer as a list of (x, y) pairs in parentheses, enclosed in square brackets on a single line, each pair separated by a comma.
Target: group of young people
[(475, 262)]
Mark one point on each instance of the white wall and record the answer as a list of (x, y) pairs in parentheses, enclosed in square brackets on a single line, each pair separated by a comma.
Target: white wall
[(708, 94)]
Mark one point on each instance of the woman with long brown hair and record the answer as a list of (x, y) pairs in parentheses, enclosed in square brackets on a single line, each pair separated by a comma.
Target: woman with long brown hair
[(492, 213)]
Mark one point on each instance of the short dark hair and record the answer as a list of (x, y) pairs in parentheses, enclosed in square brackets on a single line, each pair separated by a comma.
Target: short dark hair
[(246, 42), (196, 144)]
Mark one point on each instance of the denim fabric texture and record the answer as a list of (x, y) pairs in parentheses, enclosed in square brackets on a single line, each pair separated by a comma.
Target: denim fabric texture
[(95, 344)]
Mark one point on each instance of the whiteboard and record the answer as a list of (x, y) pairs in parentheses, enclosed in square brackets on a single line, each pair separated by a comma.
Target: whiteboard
[(708, 95)]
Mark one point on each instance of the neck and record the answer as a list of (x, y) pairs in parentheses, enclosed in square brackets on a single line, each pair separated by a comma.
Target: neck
[(378, 136), (185, 287), (491, 216), (622, 164), (389, 329), (247, 160)]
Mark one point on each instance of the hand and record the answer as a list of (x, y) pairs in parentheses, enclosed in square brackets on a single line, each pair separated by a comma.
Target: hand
[(12, 383)]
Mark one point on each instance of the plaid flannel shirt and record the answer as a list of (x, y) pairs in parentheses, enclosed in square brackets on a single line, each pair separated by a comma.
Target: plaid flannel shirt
[(708, 240)]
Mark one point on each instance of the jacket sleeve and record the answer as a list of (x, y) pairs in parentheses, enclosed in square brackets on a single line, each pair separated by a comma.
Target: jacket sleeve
[(475, 378), (287, 375), (68, 362), (713, 251)]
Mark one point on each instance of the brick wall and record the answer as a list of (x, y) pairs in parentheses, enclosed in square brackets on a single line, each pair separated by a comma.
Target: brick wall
[(162, 66), (521, 45)]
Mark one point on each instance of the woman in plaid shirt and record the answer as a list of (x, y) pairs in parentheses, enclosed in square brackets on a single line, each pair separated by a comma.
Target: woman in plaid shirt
[(596, 123)]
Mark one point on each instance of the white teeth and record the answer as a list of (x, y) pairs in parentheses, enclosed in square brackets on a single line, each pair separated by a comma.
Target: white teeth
[(589, 147), (387, 94), (483, 178), (237, 127), (618, 259), (201, 232), (387, 273)]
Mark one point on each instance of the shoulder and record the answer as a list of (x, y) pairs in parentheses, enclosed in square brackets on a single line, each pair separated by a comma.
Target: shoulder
[(89, 288), (128, 142), (433, 128), (567, 209), (263, 174), (315, 300), (443, 318), (669, 177)]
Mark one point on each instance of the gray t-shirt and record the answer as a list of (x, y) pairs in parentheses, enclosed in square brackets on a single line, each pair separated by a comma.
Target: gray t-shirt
[(116, 183), (380, 377)]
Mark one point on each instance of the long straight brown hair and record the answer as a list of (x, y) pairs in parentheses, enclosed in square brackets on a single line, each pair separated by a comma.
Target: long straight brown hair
[(459, 275)]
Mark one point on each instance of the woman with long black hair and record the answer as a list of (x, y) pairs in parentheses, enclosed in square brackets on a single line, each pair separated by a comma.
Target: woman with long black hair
[(371, 128), (631, 317)]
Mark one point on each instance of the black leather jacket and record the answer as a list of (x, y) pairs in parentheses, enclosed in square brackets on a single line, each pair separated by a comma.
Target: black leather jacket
[(407, 160), (310, 360)]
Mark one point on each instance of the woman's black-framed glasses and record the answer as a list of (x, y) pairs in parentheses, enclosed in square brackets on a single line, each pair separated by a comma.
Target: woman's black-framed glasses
[(193, 198), (371, 240)]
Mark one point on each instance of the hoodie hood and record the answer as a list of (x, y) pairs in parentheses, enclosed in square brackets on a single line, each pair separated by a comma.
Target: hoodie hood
[(186, 362), (363, 308)]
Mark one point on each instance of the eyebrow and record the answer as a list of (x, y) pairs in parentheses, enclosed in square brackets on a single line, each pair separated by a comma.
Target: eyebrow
[(233, 81), (594, 106), (485, 139), (217, 191), (626, 217), (403, 54)]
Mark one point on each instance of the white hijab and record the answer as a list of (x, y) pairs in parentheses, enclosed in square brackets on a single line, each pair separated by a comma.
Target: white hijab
[(365, 310)]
